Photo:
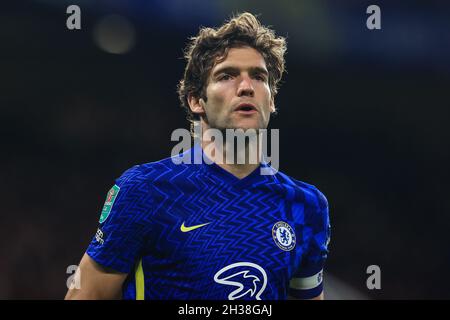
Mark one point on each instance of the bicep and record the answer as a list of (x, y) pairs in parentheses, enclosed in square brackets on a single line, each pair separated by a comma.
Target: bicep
[(96, 282)]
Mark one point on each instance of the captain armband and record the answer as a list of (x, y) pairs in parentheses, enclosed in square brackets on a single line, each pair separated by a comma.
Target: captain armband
[(307, 287)]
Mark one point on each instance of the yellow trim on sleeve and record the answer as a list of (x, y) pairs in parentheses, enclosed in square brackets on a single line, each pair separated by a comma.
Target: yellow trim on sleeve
[(139, 278)]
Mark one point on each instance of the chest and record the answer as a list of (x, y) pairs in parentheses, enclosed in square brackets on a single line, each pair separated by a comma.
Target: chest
[(206, 230)]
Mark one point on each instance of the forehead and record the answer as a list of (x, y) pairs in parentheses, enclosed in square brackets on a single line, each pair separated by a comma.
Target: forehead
[(242, 58)]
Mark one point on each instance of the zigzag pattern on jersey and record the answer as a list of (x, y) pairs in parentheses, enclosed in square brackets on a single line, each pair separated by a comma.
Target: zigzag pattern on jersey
[(134, 197), (156, 198), (240, 221)]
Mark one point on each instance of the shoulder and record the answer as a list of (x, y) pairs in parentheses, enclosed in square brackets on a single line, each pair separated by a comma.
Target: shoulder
[(148, 172), (303, 192), (310, 206)]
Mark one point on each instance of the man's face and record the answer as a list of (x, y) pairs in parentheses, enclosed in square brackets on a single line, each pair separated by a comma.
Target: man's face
[(238, 92)]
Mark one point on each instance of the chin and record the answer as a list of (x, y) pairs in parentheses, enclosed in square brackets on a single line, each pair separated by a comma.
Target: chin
[(245, 125)]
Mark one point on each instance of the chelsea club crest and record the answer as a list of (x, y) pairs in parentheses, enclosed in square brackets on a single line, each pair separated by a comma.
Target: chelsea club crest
[(283, 235)]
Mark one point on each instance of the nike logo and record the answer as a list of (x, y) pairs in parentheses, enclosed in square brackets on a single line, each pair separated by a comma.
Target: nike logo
[(183, 228)]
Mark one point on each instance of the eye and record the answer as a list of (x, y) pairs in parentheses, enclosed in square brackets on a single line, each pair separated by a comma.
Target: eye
[(224, 77), (260, 77)]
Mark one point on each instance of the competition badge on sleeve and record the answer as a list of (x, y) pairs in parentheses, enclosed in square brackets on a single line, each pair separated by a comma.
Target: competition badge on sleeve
[(112, 194)]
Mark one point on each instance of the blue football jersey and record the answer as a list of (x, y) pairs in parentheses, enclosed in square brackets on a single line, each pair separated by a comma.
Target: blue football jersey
[(195, 231)]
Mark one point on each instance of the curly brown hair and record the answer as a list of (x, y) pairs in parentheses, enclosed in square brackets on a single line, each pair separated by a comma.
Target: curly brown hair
[(211, 46)]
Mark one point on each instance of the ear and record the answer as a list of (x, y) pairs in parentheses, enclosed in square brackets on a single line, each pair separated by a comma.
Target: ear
[(197, 105)]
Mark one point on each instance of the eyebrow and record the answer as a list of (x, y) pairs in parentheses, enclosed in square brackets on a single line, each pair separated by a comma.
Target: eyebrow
[(235, 70)]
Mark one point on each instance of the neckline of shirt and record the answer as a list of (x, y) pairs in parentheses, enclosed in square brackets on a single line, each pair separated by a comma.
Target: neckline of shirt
[(226, 176)]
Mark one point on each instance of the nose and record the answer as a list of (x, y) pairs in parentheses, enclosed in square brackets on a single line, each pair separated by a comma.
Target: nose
[(245, 87)]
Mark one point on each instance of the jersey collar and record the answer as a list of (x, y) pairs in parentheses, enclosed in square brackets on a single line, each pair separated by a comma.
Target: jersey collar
[(214, 170)]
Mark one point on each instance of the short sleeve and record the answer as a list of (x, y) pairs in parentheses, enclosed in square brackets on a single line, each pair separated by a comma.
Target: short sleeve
[(307, 282), (124, 223)]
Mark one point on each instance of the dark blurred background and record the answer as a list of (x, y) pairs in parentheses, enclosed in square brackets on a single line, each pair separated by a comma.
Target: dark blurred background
[(363, 115)]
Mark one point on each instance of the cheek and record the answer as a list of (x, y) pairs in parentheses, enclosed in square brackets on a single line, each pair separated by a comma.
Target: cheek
[(218, 97), (266, 98)]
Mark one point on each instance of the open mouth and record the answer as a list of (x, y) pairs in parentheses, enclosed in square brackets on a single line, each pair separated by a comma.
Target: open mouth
[(246, 107)]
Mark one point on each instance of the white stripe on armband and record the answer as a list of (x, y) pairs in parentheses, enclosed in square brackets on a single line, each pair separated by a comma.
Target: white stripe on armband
[(307, 283)]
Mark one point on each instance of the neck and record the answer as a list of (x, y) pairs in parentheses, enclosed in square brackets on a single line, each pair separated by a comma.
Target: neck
[(240, 161)]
